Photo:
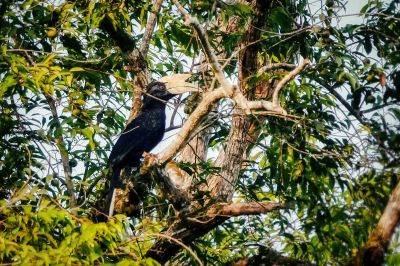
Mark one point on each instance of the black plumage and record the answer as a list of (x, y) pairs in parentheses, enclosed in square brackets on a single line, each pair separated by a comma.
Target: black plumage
[(140, 135)]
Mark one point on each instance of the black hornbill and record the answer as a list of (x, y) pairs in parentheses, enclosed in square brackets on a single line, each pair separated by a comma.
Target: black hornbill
[(140, 135)]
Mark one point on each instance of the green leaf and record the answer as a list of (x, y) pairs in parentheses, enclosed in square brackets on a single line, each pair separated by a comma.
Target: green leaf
[(77, 69)]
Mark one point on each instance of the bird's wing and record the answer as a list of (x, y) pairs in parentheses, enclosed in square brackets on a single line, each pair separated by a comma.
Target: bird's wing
[(131, 138), (134, 140)]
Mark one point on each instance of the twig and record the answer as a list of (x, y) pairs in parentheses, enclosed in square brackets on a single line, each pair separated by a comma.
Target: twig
[(379, 107), (177, 104)]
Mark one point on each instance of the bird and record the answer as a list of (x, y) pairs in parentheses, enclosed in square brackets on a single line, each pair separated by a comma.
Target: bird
[(144, 132)]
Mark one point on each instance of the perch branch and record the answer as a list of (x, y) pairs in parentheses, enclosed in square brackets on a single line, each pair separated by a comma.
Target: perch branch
[(191, 123), (178, 197)]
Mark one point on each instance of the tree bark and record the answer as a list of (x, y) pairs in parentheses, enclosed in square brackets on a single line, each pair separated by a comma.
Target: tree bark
[(222, 185)]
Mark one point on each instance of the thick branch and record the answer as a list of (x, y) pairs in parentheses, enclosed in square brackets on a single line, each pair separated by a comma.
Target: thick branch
[(374, 250), (191, 124), (177, 196), (195, 226), (240, 208)]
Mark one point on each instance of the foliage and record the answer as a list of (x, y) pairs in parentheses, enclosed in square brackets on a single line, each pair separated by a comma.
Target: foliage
[(65, 94), (47, 234)]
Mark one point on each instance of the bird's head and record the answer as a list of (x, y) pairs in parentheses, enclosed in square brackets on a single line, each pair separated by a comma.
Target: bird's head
[(158, 90), (169, 86), (178, 84)]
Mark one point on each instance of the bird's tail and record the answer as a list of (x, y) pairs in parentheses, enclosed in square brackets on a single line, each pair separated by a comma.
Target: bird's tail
[(110, 201)]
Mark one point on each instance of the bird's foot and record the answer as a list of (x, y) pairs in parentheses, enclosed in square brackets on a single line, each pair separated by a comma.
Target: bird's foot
[(149, 160)]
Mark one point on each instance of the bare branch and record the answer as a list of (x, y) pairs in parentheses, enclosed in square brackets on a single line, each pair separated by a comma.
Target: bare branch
[(275, 66), (226, 90), (191, 228), (191, 124), (151, 23), (247, 208), (286, 79)]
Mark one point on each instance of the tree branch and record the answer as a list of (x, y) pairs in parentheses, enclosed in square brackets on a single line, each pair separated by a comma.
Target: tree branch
[(178, 197), (139, 64), (240, 208), (151, 23), (63, 153), (286, 79), (211, 97), (192, 227), (275, 66), (374, 250)]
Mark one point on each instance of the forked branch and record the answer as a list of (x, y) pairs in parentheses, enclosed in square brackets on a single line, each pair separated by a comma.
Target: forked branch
[(226, 90)]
